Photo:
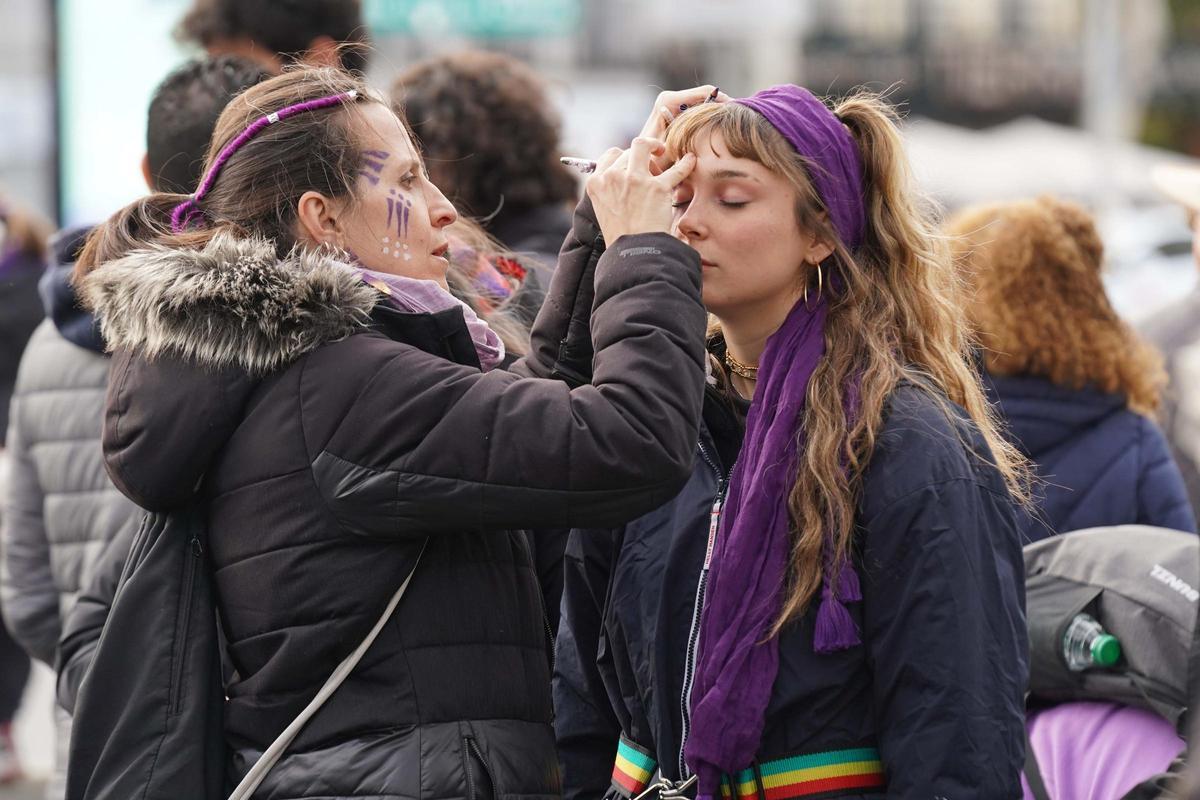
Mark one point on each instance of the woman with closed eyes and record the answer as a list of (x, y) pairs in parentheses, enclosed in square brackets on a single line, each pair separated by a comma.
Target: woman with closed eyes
[(833, 604)]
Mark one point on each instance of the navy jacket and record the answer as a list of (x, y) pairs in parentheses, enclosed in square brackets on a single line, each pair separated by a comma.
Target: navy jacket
[(1098, 462), (937, 685)]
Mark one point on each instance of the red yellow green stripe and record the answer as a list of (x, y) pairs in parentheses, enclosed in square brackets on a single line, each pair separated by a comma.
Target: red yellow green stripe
[(632, 769), (800, 776)]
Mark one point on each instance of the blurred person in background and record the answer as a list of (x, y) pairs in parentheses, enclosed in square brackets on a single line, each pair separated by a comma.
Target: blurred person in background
[(832, 606), (1176, 332), (1075, 384), (322, 33), (59, 507), (23, 252), (491, 138)]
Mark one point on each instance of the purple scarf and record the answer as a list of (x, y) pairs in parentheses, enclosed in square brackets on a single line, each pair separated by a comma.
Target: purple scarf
[(426, 297), (736, 661)]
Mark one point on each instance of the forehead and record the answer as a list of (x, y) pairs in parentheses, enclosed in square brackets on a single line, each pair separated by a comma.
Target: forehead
[(713, 157), (380, 129)]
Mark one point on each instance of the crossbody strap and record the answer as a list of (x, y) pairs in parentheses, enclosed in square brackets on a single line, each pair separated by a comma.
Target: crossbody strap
[(261, 767), (1033, 772)]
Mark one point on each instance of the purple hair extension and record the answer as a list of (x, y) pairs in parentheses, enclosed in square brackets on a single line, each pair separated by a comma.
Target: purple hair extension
[(186, 211)]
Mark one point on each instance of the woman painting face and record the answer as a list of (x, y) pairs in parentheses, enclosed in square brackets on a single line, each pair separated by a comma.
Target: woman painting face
[(396, 221), (741, 218)]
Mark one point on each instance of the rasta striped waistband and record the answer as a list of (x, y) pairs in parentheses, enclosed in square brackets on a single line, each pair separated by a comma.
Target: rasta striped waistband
[(633, 768), (801, 776), (808, 775)]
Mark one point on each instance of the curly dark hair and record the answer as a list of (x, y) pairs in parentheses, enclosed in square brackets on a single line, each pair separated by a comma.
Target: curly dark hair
[(286, 27), (489, 134)]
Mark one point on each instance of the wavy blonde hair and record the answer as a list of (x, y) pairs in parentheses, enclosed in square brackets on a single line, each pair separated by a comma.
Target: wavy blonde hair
[(1038, 302), (897, 318)]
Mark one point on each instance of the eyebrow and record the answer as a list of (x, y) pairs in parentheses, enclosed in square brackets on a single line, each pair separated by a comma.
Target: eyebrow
[(726, 174)]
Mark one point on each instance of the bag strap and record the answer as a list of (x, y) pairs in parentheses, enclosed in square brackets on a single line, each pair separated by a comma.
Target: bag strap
[(272, 754), (1033, 773)]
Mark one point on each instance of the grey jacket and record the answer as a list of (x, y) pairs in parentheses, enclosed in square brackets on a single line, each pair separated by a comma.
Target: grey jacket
[(1176, 332), (59, 506)]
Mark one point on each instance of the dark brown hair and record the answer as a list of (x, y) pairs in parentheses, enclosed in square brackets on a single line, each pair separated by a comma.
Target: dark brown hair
[(183, 112), (1039, 305), (285, 27), (488, 131), (261, 183)]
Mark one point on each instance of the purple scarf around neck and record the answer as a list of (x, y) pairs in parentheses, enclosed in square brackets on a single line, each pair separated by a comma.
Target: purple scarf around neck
[(737, 661), (427, 297)]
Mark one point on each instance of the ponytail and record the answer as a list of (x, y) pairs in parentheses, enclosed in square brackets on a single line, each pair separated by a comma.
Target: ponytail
[(143, 223)]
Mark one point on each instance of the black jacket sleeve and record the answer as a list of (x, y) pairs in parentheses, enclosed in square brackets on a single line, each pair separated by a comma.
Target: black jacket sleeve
[(943, 612), (471, 451), (585, 726), (561, 339)]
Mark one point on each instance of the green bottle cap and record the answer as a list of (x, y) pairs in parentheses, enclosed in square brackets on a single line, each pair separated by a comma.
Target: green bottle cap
[(1106, 650)]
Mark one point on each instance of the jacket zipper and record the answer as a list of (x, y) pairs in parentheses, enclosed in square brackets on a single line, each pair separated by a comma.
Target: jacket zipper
[(183, 623), (689, 664), (473, 749), (546, 626)]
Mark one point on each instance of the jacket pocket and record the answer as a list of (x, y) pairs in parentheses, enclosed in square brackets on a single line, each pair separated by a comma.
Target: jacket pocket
[(480, 785)]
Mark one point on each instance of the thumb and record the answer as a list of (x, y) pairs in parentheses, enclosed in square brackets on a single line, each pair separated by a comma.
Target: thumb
[(678, 171)]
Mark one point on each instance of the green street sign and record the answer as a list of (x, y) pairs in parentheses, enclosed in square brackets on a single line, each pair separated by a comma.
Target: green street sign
[(491, 19)]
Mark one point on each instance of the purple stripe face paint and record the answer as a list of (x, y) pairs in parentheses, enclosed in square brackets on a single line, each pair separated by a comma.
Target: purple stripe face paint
[(373, 165), (399, 208)]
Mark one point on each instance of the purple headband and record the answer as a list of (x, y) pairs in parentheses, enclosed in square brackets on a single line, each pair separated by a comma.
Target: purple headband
[(819, 136), (183, 213)]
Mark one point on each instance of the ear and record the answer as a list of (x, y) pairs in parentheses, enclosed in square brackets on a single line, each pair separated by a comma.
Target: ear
[(146, 172), (317, 217), (323, 52), (818, 250)]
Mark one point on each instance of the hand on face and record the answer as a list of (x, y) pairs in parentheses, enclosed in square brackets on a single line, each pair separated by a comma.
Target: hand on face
[(628, 198), (668, 106)]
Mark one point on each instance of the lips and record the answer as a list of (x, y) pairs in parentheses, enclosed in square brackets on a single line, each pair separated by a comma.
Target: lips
[(441, 251), (704, 262)]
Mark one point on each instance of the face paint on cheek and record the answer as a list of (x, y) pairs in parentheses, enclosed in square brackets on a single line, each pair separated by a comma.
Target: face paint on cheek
[(399, 208)]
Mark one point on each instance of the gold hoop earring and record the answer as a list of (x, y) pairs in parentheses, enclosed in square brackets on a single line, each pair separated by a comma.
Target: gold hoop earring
[(820, 285)]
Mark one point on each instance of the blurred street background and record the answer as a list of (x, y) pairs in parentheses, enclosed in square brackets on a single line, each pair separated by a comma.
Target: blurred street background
[(1003, 99)]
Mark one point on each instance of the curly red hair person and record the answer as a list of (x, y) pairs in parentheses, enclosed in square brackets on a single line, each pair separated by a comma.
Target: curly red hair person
[(1075, 383)]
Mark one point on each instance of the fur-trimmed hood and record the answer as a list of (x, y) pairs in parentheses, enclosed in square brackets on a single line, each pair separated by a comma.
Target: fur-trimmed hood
[(234, 303)]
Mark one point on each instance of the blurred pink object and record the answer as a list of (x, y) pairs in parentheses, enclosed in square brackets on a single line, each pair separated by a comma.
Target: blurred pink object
[(1098, 751)]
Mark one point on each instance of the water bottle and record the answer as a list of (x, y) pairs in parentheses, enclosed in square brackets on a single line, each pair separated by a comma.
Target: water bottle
[(1087, 646)]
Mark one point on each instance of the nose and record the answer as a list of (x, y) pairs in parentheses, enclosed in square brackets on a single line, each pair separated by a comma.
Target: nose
[(441, 210), (689, 226)]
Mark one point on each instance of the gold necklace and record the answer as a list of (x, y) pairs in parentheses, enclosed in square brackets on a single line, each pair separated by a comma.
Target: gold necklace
[(741, 370)]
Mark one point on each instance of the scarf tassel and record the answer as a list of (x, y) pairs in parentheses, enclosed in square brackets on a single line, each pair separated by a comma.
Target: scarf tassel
[(835, 628)]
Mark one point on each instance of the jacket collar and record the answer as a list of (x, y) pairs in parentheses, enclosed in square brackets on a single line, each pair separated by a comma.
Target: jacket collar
[(232, 303)]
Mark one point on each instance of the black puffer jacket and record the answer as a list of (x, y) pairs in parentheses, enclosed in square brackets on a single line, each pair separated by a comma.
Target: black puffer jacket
[(328, 453), (937, 685)]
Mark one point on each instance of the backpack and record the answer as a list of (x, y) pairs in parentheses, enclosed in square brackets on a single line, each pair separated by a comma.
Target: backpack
[(149, 714), (1142, 584), (148, 720)]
